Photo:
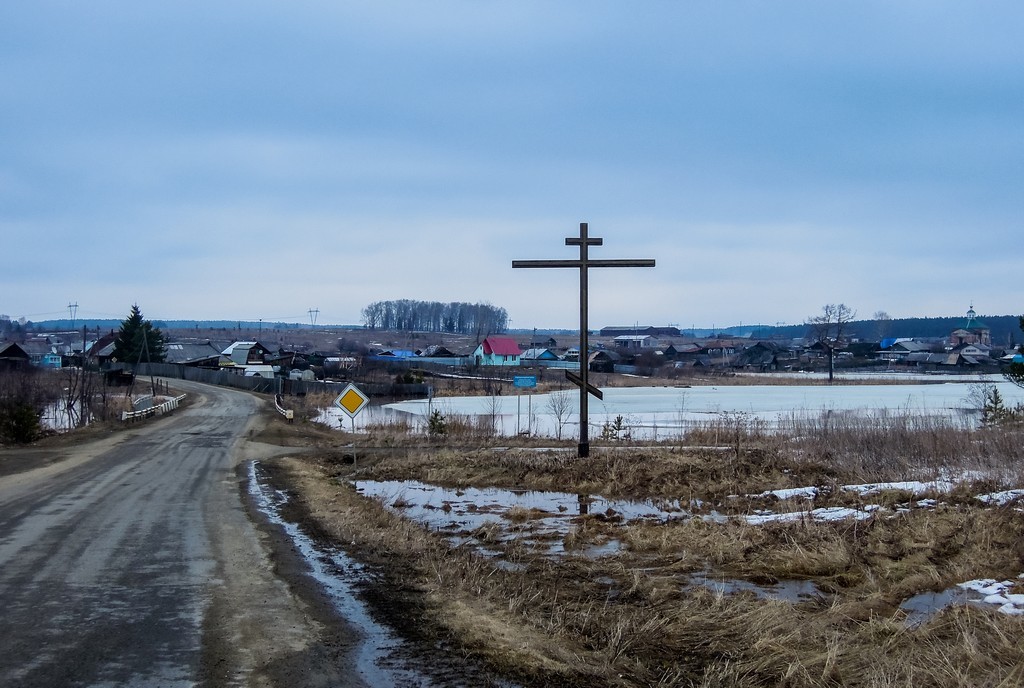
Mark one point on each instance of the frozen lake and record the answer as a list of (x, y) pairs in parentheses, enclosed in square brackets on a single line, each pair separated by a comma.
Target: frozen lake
[(651, 412)]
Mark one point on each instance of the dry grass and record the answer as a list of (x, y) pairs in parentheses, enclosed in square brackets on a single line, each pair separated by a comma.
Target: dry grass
[(633, 620)]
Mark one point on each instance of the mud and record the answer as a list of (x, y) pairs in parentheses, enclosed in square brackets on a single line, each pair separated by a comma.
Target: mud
[(396, 645)]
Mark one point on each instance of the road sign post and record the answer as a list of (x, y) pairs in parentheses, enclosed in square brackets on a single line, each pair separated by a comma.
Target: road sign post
[(527, 382), (584, 264), (351, 401)]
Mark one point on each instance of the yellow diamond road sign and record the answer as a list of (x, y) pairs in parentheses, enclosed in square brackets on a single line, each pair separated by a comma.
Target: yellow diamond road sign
[(351, 400)]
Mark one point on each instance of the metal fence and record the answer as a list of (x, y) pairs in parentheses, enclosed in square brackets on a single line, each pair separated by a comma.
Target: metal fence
[(274, 385), (222, 378)]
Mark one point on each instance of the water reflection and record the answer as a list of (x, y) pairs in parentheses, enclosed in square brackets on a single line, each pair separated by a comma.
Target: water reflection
[(540, 520), (339, 575), (923, 606), (489, 519), (783, 590)]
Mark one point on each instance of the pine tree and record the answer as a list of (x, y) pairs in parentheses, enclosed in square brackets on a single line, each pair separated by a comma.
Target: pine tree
[(138, 341)]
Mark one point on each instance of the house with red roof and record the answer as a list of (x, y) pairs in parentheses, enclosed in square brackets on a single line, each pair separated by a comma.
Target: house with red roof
[(497, 351)]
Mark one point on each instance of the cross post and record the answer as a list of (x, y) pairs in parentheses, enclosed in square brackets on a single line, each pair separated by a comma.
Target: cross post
[(584, 264)]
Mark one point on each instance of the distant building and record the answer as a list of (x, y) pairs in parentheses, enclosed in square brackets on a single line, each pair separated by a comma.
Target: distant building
[(648, 330), (246, 353), (101, 352), (763, 356), (13, 357), (603, 361), (902, 349), (538, 354), (192, 354), (636, 341), (394, 354), (437, 351), (42, 353), (971, 331)]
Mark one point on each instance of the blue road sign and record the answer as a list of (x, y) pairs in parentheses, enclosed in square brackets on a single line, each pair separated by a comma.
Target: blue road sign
[(524, 380)]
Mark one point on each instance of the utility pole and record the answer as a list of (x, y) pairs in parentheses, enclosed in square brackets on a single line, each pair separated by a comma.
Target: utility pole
[(73, 310), (584, 263), (313, 313)]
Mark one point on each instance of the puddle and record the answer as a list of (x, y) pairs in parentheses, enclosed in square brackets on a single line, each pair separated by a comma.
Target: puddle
[(338, 573), (538, 520), (923, 606), (981, 592), (62, 417), (784, 590)]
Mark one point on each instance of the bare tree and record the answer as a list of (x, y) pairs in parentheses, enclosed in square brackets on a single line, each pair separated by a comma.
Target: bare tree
[(432, 316), (560, 405), (492, 412), (830, 329), (883, 323)]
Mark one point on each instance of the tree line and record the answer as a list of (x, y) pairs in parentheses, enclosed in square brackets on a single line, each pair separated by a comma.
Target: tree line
[(1004, 330), (455, 317)]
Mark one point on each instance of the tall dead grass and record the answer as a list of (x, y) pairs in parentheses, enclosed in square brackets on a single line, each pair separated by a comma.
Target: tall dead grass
[(630, 620)]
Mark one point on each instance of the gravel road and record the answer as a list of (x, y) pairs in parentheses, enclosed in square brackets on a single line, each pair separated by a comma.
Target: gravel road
[(132, 561)]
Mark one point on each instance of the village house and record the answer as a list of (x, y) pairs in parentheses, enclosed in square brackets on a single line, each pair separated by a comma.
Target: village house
[(437, 351), (497, 351), (101, 352), (42, 352), (195, 355), (603, 361), (764, 356), (901, 349), (718, 352), (13, 357), (538, 354), (636, 342), (392, 355), (541, 343), (246, 353)]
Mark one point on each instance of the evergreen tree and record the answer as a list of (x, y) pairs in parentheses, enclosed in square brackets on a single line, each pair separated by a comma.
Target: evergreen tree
[(138, 341)]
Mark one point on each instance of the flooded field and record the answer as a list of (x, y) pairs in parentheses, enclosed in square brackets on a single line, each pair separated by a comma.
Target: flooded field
[(61, 416), (778, 562), (503, 525), (541, 521), (665, 412)]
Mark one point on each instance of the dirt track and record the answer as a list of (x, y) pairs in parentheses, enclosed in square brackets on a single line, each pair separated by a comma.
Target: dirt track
[(131, 560)]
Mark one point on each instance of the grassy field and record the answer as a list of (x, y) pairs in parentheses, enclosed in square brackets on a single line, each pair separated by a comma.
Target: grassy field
[(637, 614)]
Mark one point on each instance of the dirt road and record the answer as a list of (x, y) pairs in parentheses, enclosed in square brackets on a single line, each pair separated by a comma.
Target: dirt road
[(132, 561)]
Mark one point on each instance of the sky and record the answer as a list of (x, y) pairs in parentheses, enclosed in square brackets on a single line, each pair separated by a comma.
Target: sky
[(247, 160)]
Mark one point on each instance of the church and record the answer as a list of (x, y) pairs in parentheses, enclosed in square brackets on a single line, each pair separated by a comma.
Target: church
[(971, 331)]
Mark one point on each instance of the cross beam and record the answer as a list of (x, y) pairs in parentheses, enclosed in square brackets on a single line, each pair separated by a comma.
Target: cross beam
[(584, 264)]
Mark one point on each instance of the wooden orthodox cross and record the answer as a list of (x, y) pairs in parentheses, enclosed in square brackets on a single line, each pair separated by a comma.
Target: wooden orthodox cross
[(584, 264)]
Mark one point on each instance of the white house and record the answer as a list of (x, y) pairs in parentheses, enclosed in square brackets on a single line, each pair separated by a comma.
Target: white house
[(636, 341)]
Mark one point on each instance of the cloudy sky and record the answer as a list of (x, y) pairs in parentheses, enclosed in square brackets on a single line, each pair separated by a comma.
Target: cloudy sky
[(247, 160)]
